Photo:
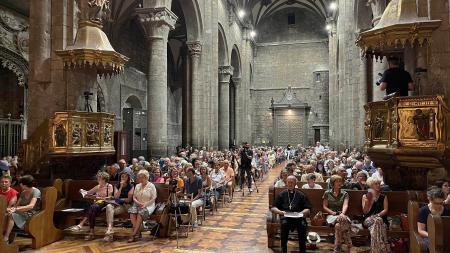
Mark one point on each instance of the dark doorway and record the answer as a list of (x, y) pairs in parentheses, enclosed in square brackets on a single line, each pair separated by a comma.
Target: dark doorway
[(316, 135)]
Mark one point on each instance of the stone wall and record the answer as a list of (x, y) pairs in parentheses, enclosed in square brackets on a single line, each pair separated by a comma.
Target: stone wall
[(290, 55), (348, 84)]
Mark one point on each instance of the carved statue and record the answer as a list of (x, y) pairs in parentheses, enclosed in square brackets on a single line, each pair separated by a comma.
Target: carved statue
[(94, 10), (98, 10), (379, 126), (76, 135), (107, 134), (92, 133), (60, 135)]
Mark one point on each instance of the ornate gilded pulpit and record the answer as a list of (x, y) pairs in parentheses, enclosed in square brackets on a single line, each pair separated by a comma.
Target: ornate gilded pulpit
[(409, 137), (67, 135)]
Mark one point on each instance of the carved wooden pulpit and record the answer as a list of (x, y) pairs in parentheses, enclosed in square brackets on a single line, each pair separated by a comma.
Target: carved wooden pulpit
[(409, 137)]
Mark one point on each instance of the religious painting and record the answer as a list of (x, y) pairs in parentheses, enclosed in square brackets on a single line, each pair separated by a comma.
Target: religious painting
[(60, 135)]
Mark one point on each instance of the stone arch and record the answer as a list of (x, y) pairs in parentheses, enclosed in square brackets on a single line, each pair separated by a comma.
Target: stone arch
[(17, 64), (133, 102), (236, 61), (194, 21), (223, 47)]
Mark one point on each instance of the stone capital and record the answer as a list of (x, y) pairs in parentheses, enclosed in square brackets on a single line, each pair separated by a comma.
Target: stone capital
[(225, 73), (157, 22), (194, 48)]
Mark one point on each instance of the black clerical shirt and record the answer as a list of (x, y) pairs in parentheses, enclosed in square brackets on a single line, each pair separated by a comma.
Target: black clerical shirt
[(292, 201)]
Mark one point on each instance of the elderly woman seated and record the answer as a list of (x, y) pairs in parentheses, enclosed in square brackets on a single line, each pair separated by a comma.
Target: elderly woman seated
[(143, 203), (100, 193), (28, 203), (375, 209)]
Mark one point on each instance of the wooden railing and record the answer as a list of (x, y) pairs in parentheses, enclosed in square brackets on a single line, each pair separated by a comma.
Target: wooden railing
[(408, 123), (69, 133)]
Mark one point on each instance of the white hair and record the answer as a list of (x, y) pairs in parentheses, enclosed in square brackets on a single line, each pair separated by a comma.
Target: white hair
[(144, 173)]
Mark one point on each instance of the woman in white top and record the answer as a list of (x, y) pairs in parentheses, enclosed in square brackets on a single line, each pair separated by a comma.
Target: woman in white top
[(143, 203), (282, 181), (311, 179)]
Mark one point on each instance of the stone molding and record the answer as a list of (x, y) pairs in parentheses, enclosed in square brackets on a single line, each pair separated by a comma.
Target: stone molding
[(14, 33), (157, 22), (194, 48)]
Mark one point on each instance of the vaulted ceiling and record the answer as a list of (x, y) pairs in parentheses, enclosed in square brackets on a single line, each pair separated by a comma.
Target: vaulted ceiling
[(259, 9)]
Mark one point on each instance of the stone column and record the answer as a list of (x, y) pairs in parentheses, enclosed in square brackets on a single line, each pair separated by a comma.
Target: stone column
[(157, 22), (237, 110), (197, 123), (225, 73), (379, 66)]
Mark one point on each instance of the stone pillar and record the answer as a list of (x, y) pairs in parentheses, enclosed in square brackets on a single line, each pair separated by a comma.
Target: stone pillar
[(157, 22), (379, 66), (225, 73), (237, 118), (197, 123)]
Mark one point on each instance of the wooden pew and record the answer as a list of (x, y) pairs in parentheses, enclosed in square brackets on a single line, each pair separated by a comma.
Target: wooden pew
[(73, 199), (40, 226), (397, 205), (438, 233), (416, 244), (5, 248)]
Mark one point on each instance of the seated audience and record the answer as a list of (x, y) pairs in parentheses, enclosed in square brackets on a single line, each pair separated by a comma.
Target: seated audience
[(335, 203), (229, 176), (436, 207), (283, 177), (6, 190), (123, 197), (292, 200), (218, 179), (179, 180), (143, 203), (193, 185), (27, 205), (361, 179), (206, 181), (375, 209), (4, 167), (100, 193), (311, 179), (444, 186), (310, 169), (157, 177)]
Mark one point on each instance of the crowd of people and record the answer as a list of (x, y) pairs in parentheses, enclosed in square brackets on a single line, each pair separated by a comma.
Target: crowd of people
[(347, 170), (207, 175), (123, 188)]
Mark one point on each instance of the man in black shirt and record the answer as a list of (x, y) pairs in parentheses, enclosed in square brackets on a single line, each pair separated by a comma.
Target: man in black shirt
[(288, 201), (246, 166), (396, 79)]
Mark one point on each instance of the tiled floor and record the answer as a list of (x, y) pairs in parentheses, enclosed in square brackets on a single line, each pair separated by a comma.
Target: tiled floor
[(238, 227)]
